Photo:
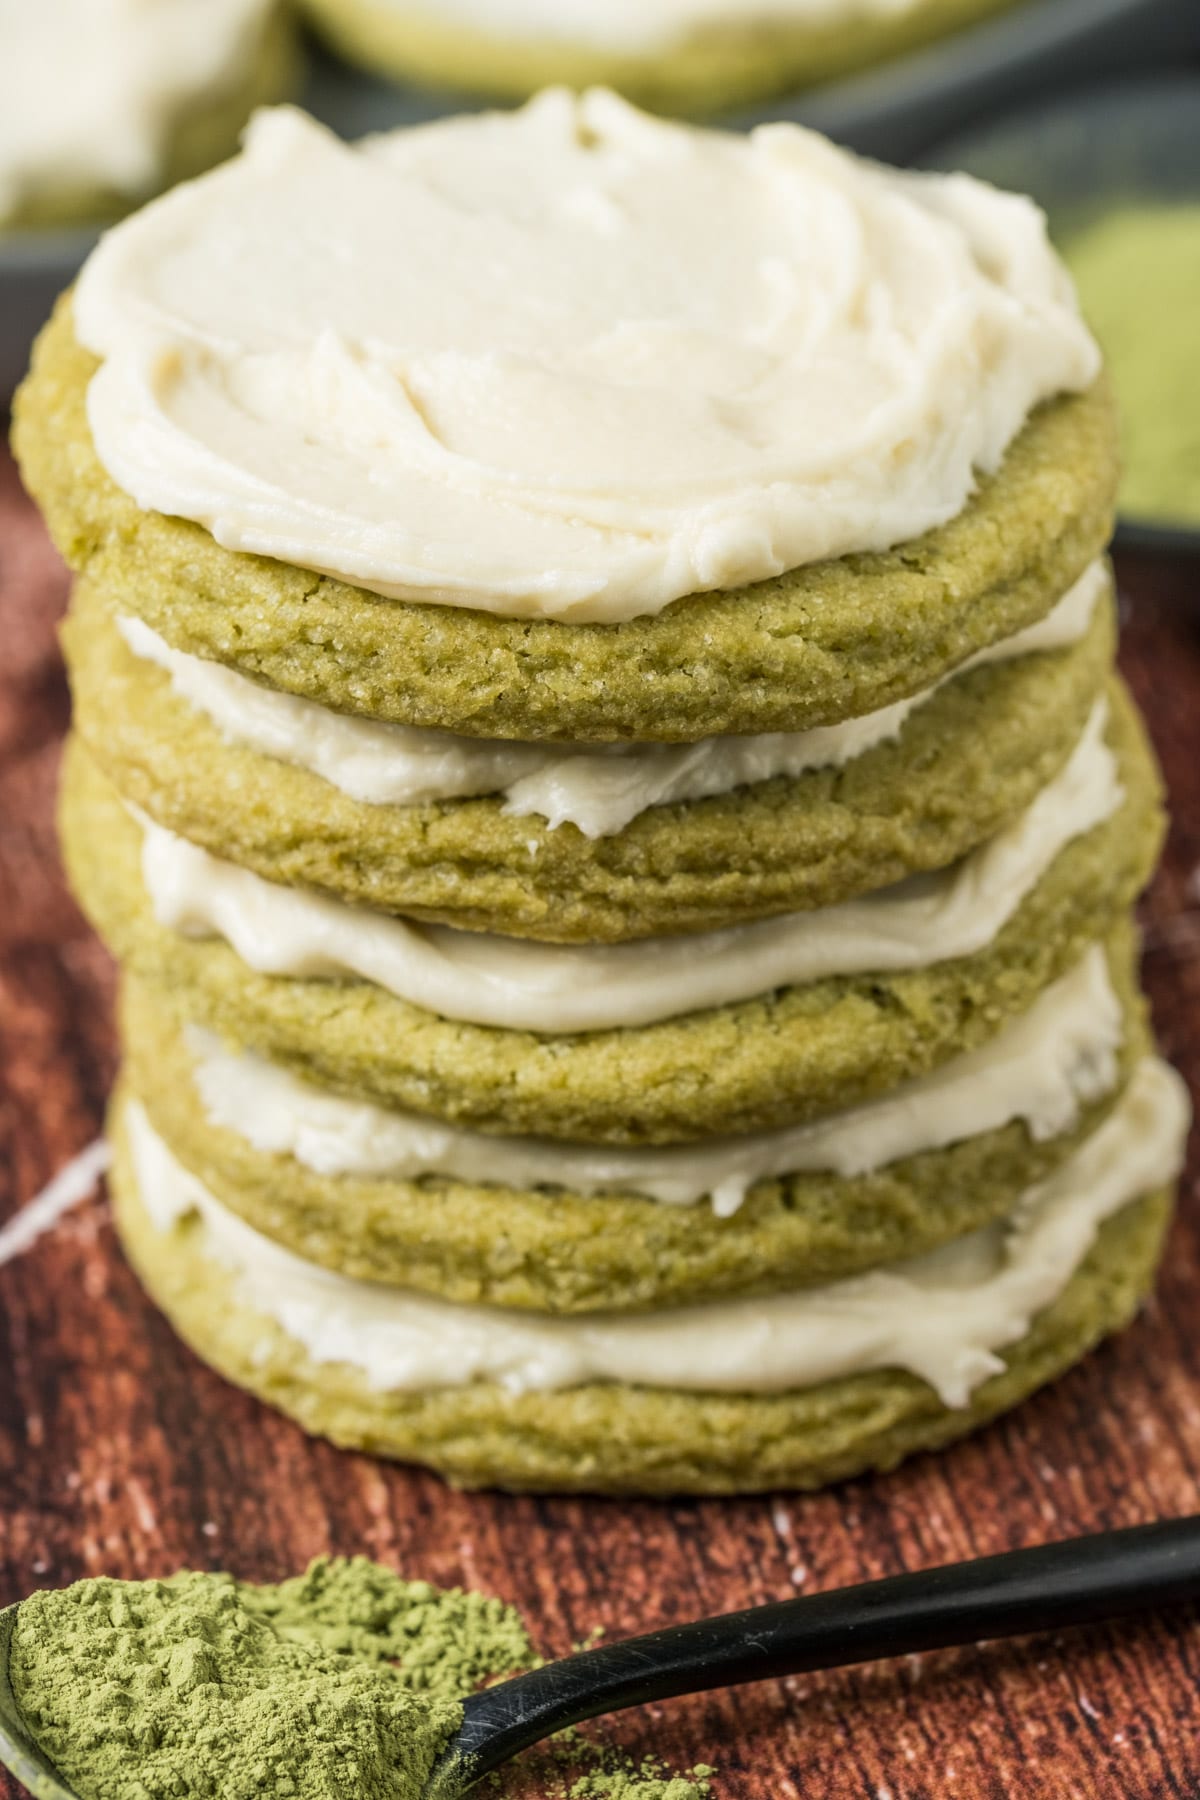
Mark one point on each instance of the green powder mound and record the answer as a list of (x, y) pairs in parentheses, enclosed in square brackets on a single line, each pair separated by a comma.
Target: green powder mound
[(1138, 273), (186, 1687), (443, 1642), (346, 1680)]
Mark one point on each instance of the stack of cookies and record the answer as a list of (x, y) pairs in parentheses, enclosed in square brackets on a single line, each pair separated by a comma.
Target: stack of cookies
[(597, 751)]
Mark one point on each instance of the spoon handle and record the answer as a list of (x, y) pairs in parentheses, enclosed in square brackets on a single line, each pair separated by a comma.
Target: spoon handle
[(1075, 1582)]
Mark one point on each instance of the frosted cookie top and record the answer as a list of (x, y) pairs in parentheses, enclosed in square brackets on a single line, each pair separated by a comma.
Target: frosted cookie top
[(571, 362), (89, 89), (644, 25)]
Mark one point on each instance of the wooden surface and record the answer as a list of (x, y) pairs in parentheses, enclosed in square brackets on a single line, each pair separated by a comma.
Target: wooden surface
[(119, 1453)]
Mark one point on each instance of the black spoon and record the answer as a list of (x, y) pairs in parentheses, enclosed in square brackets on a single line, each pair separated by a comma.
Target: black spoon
[(1077, 1582)]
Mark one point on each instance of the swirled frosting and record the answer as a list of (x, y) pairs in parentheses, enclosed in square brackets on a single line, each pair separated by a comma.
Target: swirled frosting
[(571, 362), (89, 89)]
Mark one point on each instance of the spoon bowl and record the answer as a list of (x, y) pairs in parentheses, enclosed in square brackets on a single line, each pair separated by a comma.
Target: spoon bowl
[(19, 1752)]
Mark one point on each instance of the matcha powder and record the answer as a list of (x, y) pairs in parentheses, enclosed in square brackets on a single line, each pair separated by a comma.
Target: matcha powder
[(1138, 275), (345, 1681)]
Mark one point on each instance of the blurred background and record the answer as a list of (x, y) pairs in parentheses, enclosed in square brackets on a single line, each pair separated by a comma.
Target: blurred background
[(1092, 106)]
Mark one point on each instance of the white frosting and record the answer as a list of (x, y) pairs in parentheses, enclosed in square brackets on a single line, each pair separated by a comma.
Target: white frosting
[(571, 362), (641, 27), (89, 89), (599, 790), (944, 1316), (552, 988), (1060, 1054)]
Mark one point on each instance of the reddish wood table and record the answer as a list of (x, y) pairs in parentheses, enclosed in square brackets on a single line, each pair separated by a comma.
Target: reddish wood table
[(119, 1453)]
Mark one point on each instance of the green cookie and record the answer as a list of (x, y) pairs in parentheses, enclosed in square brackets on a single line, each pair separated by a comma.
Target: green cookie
[(628, 1440), (965, 763), (717, 66), (765, 1062), (205, 131), (829, 641), (556, 1251)]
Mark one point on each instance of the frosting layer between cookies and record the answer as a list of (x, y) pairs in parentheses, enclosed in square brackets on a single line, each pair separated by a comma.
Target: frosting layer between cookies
[(519, 984), (1041, 1069), (600, 789), (944, 1316)]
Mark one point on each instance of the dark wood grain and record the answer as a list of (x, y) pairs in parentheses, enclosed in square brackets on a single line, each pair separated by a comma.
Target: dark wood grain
[(120, 1453)]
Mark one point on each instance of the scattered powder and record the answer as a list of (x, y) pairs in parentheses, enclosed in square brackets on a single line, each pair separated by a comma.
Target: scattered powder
[(648, 1780), (344, 1681), (573, 1766)]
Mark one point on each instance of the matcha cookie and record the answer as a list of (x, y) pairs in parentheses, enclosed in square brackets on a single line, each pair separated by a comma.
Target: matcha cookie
[(613, 1439), (965, 762), (766, 1062), (204, 132), (711, 68), (556, 1251), (828, 641)]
